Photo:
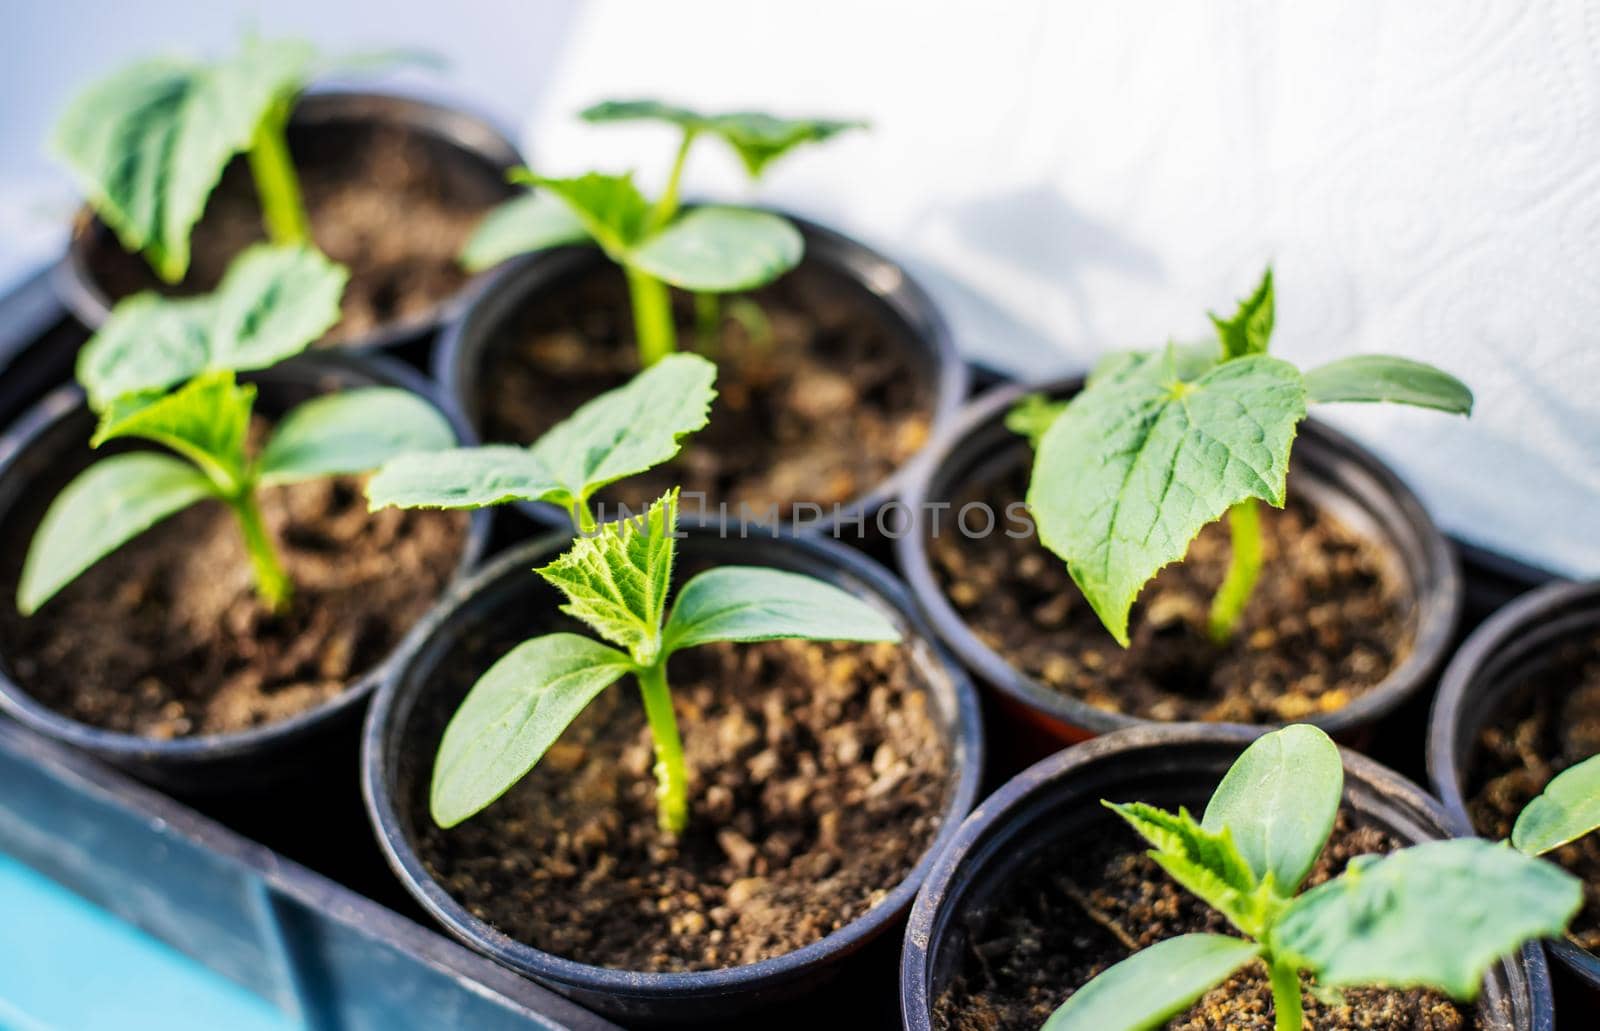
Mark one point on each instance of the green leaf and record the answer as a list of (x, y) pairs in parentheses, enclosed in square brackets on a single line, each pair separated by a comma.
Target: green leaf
[(720, 250), (618, 434), (1279, 801), (1031, 416), (512, 716), (351, 432), (463, 477), (273, 302), (531, 222), (149, 143), (610, 208), (106, 505), (1250, 329), (1153, 985), (1378, 377), (1185, 362), (748, 603), (630, 429), (758, 139), (1436, 915), (617, 580), (1567, 809), (1205, 862), (1141, 461), (206, 421)]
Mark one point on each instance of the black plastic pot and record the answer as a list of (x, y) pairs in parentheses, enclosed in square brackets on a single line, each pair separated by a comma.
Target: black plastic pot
[(1328, 468), (1507, 652), (405, 722), (1169, 765), (473, 152), (460, 359), (49, 444)]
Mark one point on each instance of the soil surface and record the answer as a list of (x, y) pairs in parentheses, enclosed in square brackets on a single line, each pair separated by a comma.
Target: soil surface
[(1327, 620), (1089, 903), (1542, 728), (388, 204), (817, 779), (822, 412), (165, 637)]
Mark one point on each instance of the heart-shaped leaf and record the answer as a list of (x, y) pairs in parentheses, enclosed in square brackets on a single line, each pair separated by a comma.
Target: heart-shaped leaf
[(1378, 377), (206, 421), (748, 603), (353, 431), (1250, 329), (149, 143), (1136, 466), (621, 433), (617, 580), (1566, 810), (1279, 801), (1436, 915), (273, 302), (1206, 862), (512, 716), (721, 250), (106, 505), (1153, 985)]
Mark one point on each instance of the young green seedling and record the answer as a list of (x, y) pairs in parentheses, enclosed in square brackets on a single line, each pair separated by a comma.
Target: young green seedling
[(710, 250), (1159, 444), (618, 583), (272, 304), (758, 140), (149, 143), (621, 433), (1435, 915)]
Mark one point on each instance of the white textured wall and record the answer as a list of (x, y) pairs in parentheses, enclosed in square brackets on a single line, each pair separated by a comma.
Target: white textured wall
[(1069, 177)]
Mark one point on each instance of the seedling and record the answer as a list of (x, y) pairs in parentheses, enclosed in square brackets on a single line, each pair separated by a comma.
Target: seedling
[(1435, 915), (618, 582), (711, 250), (621, 433), (1159, 444), (273, 303), (149, 143)]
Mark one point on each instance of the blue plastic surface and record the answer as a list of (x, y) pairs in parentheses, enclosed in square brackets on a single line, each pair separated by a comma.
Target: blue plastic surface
[(65, 963)]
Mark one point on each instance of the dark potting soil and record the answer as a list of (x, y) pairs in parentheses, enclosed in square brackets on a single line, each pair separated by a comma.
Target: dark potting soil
[(1090, 902), (822, 412), (166, 638), (1544, 726), (817, 779), (1327, 619), (382, 201)]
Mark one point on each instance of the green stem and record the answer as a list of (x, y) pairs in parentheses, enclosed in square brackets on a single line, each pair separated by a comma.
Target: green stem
[(672, 776), (707, 322), (277, 185), (666, 205), (1285, 980), (1244, 566), (583, 517), (272, 582), (652, 317)]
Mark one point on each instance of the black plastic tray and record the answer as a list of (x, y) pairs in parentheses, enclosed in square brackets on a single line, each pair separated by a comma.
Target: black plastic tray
[(293, 901)]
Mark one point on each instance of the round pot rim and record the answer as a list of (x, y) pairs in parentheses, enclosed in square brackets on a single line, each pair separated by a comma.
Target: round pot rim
[(1449, 705), (967, 749), (468, 130), (913, 308), (990, 812), (1438, 610), (68, 400)]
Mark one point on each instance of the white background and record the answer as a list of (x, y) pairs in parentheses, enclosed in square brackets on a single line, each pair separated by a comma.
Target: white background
[(1071, 177)]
